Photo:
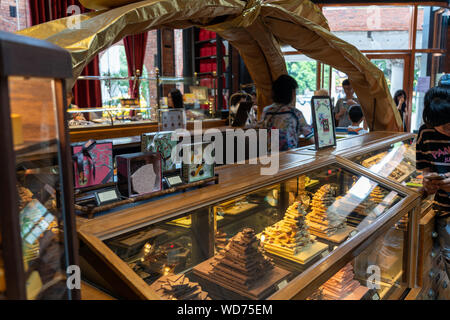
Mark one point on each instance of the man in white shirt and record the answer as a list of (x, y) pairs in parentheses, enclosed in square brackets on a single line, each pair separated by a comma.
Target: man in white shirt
[(344, 104)]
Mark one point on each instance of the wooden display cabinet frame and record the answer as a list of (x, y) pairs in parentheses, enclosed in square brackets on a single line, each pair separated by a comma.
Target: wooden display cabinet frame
[(93, 232), (18, 57)]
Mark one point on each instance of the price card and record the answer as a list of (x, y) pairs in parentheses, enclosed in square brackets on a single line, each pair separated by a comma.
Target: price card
[(174, 181), (325, 253), (282, 284), (353, 233), (376, 296), (106, 196)]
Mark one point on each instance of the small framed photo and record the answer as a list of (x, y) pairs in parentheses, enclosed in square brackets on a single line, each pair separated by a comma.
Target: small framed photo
[(200, 93), (323, 122)]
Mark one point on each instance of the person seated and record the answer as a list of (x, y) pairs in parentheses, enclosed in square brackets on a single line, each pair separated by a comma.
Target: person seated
[(356, 116), (70, 105), (284, 116), (175, 99)]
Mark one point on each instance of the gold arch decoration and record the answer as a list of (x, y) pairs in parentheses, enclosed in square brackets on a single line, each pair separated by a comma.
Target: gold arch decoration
[(255, 27)]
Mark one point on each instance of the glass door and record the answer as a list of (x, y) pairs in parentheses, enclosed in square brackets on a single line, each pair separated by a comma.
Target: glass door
[(395, 68)]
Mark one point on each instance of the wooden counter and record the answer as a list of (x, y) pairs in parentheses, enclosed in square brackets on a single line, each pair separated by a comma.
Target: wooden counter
[(129, 130), (355, 143), (234, 180), (231, 183)]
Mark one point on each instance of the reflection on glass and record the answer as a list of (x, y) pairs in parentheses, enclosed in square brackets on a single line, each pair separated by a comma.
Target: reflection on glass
[(431, 27), (376, 273), (393, 70), (34, 102), (396, 162), (276, 232)]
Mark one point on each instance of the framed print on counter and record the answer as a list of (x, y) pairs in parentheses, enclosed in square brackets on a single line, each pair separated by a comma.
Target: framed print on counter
[(323, 122)]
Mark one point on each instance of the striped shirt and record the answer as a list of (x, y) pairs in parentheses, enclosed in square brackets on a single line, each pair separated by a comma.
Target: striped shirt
[(433, 152)]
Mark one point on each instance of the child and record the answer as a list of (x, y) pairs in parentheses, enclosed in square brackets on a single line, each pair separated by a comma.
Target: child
[(433, 157), (356, 117)]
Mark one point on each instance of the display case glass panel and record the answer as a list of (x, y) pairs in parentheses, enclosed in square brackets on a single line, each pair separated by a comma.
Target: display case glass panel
[(377, 273), (2, 271), (275, 232), (34, 103), (198, 101), (396, 162)]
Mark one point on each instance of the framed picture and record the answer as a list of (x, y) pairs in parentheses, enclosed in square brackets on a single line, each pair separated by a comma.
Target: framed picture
[(323, 122), (200, 93)]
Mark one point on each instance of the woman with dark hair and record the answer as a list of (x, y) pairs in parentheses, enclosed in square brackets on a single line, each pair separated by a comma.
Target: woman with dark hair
[(433, 158), (175, 99), (283, 115), (400, 102)]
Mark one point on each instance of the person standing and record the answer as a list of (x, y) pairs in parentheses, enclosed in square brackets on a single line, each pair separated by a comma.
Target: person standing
[(400, 102), (344, 104), (283, 115), (433, 158)]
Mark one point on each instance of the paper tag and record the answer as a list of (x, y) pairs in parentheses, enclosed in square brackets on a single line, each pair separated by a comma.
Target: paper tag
[(353, 233), (174, 180), (376, 296), (325, 253), (282, 284)]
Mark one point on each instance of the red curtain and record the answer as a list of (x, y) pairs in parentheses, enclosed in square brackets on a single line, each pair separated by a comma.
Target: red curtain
[(87, 93), (135, 50)]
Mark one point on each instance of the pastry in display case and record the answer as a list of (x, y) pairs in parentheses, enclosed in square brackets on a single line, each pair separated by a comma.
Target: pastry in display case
[(36, 169), (289, 238), (323, 222), (341, 286), (251, 245), (379, 272), (240, 270), (178, 287), (396, 162), (158, 250)]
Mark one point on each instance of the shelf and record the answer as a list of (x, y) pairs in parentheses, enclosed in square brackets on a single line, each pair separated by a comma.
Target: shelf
[(210, 57), (199, 74), (205, 41), (87, 110)]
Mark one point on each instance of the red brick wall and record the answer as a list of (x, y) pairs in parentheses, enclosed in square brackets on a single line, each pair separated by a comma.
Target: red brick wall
[(361, 18), (21, 21)]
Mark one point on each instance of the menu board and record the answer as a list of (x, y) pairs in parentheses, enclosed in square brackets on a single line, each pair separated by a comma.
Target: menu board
[(323, 122)]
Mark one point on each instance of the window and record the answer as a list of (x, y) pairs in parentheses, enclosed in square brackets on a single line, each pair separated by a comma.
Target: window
[(304, 71), (371, 27), (113, 64), (14, 15), (386, 35)]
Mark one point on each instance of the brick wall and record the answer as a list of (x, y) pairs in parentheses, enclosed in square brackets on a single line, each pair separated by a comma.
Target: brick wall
[(364, 18), (12, 24)]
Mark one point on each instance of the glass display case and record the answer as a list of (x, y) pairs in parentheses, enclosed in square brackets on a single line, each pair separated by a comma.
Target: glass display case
[(254, 244), (377, 273), (119, 109), (36, 194), (395, 161)]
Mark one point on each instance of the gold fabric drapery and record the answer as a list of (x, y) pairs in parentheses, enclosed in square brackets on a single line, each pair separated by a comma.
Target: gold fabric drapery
[(255, 27)]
